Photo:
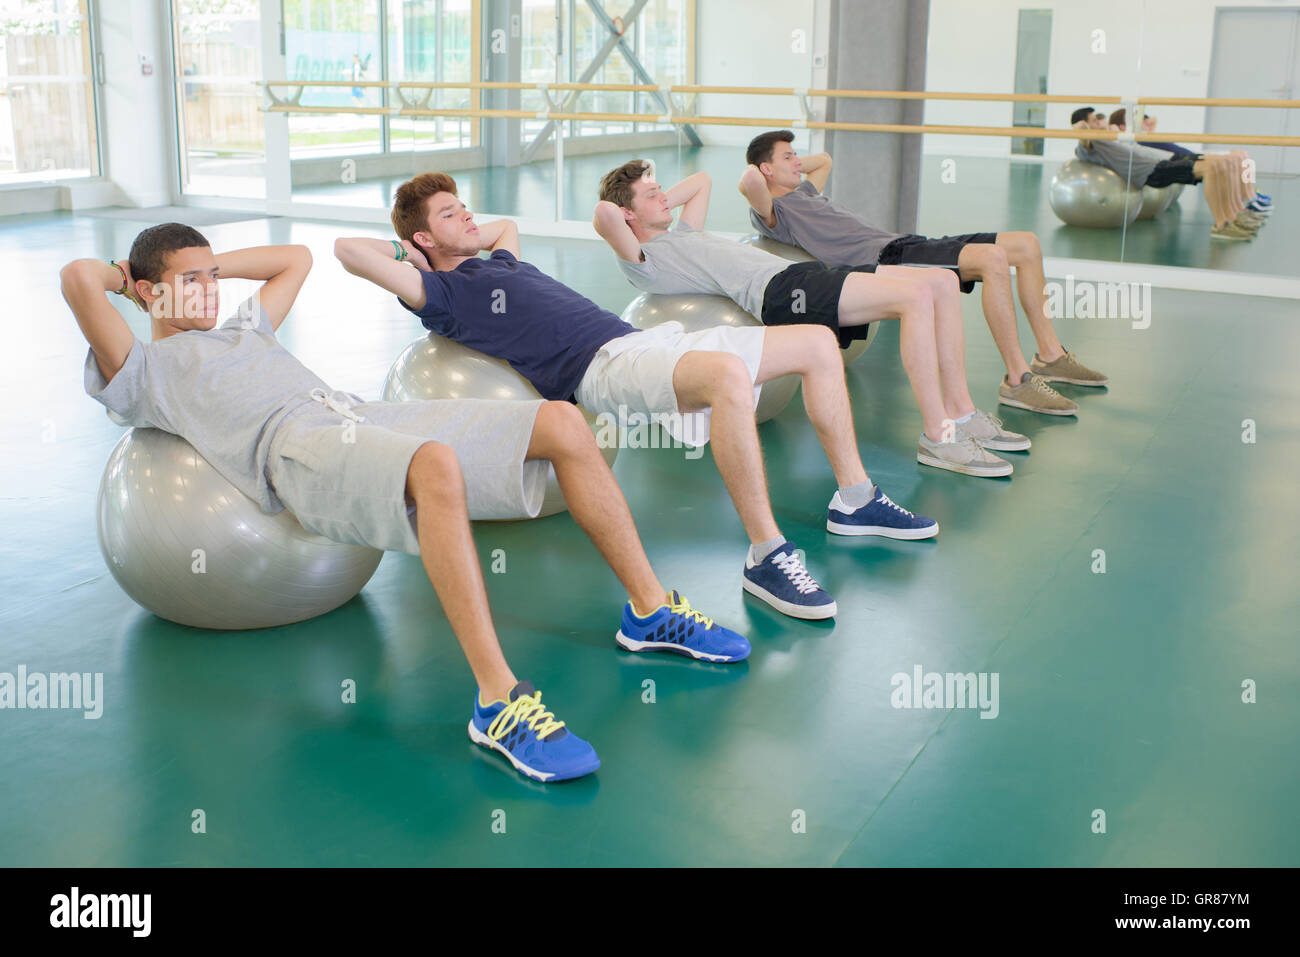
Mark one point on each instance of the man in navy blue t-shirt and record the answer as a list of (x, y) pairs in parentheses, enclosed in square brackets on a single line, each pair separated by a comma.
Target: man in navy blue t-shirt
[(702, 385)]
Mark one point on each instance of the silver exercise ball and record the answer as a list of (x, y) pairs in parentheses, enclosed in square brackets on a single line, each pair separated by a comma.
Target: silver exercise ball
[(1085, 194), (190, 547), (434, 367), (699, 311), (797, 255), (1156, 199)]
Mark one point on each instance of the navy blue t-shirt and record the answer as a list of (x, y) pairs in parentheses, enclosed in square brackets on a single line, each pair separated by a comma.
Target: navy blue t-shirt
[(511, 310)]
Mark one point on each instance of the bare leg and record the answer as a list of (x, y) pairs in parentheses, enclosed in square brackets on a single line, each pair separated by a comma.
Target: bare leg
[(988, 263), (720, 380), (561, 435), (1026, 256), (813, 353), (866, 298), (435, 483)]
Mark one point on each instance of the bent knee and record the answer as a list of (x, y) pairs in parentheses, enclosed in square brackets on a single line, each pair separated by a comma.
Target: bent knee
[(563, 428), (434, 470)]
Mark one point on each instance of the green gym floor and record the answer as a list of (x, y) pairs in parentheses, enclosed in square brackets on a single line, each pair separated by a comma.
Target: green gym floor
[(1119, 691), (987, 195)]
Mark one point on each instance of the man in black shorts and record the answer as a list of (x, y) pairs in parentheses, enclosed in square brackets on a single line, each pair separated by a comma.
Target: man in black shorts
[(634, 215), (787, 204)]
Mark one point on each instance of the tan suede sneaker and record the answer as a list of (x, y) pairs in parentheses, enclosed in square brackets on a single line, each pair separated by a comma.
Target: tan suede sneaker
[(1033, 393), (1067, 369)]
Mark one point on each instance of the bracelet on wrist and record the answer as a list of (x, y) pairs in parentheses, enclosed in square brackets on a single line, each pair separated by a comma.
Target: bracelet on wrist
[(122, 291), (401, 252)]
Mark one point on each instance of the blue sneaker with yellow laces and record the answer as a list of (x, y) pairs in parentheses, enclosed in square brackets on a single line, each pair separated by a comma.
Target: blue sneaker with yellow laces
[(529, 736), (679, 628)]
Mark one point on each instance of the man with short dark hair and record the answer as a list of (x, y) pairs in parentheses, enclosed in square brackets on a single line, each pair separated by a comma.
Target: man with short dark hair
[(702, 385), (634, 216), (788, 204), (409, 478)]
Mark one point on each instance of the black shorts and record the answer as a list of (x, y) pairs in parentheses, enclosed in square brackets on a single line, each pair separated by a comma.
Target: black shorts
[(923, 251), (809, 293), (1176, 170)]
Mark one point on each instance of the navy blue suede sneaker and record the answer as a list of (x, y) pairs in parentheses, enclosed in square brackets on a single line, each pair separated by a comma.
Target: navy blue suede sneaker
[(530, 737), (880, 516), (783, 582), (679, 628)]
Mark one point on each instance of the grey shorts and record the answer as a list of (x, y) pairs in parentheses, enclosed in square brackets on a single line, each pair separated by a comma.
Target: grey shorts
[(346, 479)]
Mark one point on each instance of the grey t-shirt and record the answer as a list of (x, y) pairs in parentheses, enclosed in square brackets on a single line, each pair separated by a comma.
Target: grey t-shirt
[(828, 231), (224, 390), (1116, 157), (685, 259)]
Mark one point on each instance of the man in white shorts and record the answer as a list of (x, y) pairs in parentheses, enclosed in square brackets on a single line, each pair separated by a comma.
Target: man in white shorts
[(635, 217), (569, 348), (408, 477)]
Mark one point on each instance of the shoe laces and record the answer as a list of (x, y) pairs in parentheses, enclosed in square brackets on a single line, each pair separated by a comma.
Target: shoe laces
[(1041, 385), (528, 709), (683, 607), (798, 575), (886, 500)]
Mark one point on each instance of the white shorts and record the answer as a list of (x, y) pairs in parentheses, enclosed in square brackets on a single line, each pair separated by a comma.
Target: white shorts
[(635, 372), (346, 479)]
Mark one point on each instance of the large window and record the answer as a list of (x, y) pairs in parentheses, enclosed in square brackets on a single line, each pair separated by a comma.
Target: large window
[(659, 39), (433, 41), (47, 98), (335, 41), (218, 53)]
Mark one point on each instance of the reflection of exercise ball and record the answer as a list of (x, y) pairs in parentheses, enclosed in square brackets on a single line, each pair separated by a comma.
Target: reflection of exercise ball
[(433, 367), (1156, 199), (698, 311), (189, 546), (1085, 194), (795, 254)]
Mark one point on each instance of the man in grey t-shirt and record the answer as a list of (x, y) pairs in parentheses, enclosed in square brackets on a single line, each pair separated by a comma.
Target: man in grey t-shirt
[(635, 217), (271, 427), (788, 203)]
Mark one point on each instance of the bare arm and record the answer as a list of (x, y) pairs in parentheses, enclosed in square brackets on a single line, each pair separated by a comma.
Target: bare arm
[(281, 269), (692, 194), (376, 260), (817, 169), (501, 234), (613, 228), (85, 284), (754, 188)]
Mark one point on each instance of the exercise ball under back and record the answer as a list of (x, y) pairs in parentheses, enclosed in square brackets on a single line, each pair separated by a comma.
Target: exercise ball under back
[(434, 367), (189, 546)]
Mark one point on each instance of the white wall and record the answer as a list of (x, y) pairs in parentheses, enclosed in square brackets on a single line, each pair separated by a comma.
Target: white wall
[(750, 44), (1153, 47)]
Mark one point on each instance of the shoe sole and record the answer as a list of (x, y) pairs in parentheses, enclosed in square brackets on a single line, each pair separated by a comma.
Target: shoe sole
[(631, 644), (817, 613), (1088, 382), (1017, 404), (546, 777), (926, 459), (884, 531), (997, 445), (1237, 239)]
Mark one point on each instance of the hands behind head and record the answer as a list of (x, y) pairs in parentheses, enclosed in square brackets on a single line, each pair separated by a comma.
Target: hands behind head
[(129, 291), (415, 257)]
